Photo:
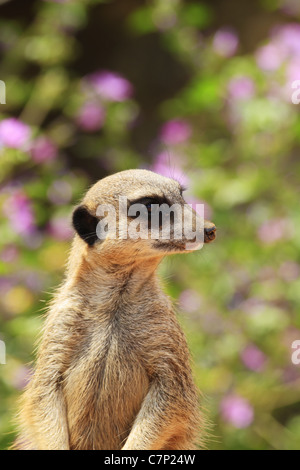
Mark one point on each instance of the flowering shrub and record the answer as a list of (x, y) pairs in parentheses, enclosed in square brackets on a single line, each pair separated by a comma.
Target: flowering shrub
[(97, 87)]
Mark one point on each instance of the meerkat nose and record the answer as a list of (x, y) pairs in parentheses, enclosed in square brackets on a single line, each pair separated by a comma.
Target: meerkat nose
[(209, 233)]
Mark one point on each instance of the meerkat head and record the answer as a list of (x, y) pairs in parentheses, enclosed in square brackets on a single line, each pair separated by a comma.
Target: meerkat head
[(138, 214)]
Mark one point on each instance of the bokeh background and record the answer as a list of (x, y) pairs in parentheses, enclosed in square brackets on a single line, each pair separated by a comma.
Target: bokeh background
[(196, 90)]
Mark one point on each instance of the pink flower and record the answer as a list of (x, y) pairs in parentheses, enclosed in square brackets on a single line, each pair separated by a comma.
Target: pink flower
[(291, 7), (292, 72), (241, 88), (289, 271), (190, 301), (6, 284), (34, 241), (43, 150), (60, 192), (9, 254), (288, 37), (22, 377), (225, 42), (252, 306), (34, 280), (289, 335), (14, 133), (253, 358), (290, 374), (165, 166), (237, 411), (269, 57), (60, 228), (18, 210), (91, 117), (175, 131), (111, 86), (194, 202), (274, 230)]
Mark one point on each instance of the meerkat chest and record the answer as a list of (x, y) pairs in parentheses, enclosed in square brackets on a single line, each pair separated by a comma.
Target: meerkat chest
[(105, 387)]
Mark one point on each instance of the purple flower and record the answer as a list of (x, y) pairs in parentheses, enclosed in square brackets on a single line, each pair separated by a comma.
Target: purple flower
[(175, 131), (18, 210), (237, 411), (9, 254), (22, 377), (190, 301), (60, 228), (6, 284), (171, 169), (253, 358), (274, 230), (225, 42), (34, 280), (34, 241), (60, 192), (266, 273), (291, 7), (111, 86), (14, 133), (290, 334), (289, 271), (91, 117), (241, 88), (290, 374), (193, 203), (292, 73), (288, 38), (269, 57), (43, 150), (252, 305)]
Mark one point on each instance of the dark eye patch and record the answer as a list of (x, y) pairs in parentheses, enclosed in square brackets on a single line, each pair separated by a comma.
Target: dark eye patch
[(149, 200)]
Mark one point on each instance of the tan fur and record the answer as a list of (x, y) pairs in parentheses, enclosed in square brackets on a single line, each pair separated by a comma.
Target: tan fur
[(113, 365)]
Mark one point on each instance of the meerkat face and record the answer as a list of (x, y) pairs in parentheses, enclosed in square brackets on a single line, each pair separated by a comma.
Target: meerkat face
[(138, 213)]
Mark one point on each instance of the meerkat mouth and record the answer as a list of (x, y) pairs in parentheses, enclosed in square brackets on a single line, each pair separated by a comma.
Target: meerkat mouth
[(169, 246), (209, 236)]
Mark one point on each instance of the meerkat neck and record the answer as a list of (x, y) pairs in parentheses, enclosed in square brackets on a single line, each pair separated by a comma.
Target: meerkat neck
[(102, 276)]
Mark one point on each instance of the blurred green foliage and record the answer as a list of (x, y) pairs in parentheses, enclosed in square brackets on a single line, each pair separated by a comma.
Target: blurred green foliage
[(95, 87)]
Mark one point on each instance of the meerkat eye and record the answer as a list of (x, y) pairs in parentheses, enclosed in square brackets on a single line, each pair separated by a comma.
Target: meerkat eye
[(148, 202), (148, 206)]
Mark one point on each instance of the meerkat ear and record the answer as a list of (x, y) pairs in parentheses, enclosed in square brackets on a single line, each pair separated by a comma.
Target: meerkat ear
[(85, 225)]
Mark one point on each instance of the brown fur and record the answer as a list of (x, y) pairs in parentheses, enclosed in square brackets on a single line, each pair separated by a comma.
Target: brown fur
[(113, 365)]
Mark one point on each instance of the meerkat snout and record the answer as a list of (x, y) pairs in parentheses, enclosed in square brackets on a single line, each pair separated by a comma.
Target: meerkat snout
[(209, 232)]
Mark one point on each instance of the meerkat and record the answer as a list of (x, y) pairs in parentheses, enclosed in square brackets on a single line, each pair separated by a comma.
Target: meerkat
[(113, 367)]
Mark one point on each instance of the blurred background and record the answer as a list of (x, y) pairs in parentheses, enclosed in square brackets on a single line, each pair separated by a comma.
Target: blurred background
[(197, 90)]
